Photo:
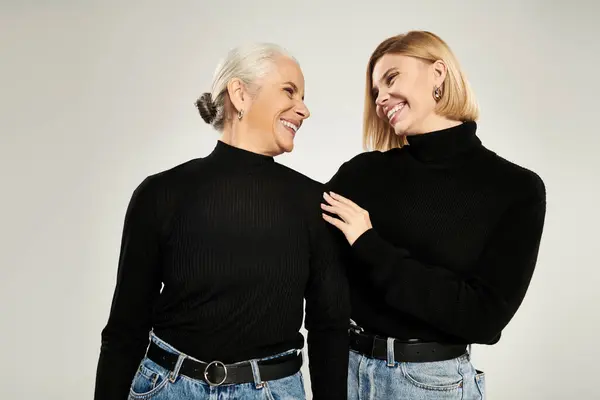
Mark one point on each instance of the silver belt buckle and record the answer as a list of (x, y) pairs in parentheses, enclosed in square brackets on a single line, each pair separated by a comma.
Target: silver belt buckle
[(216, 363)]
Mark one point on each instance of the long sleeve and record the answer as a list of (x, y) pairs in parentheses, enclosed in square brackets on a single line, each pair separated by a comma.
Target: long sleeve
[(125, 337), (474, 307), (327, 315)]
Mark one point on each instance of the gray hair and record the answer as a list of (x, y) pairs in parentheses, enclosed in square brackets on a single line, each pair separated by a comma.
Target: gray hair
[(248, 63)]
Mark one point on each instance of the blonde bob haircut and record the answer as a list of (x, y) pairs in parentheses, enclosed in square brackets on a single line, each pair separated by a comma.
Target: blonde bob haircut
[(457, 103)]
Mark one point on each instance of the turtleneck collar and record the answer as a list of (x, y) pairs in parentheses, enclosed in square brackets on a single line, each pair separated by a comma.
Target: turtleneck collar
[(232, 155), (444, 144)]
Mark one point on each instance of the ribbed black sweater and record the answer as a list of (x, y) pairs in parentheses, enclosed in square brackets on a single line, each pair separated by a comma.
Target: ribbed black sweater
[(238, 242), (455, 238)]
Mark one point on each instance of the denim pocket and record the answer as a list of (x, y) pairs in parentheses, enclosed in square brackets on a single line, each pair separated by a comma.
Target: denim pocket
[(480, 382), (439, 376), (148, 381)]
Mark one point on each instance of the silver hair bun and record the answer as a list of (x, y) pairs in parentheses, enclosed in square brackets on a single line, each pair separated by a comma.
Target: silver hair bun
[(208, 110)]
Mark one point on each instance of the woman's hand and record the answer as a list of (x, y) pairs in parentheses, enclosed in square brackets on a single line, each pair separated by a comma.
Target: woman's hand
[(354, 220)]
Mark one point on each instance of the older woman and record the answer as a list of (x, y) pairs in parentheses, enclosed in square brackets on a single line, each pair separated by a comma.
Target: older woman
[(238, 242), (444, 232)]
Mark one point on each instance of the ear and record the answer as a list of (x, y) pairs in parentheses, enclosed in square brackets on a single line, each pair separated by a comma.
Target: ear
[(237, 93), (440, 70)]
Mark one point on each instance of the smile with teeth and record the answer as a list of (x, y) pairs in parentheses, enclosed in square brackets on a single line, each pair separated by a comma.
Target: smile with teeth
[(393, 111), (289, 125)]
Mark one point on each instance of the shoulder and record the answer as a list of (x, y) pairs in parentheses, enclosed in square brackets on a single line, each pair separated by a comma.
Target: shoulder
[(160, 184), (357, 170), (362, 163), (362, 160), (299, 180), (516, 177)]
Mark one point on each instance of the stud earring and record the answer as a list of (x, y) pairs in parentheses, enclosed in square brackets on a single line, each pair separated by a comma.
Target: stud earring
[(437, 93), (240, 114)]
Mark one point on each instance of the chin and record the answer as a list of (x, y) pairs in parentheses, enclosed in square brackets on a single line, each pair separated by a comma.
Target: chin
[(284, 141), (401, 128), (406, 127), (287, 147)]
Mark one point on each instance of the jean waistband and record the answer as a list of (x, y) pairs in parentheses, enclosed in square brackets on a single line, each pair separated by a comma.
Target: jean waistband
[(166, 346)]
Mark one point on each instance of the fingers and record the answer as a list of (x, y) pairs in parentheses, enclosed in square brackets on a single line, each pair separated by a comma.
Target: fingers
[(339, 211), (336, 206), (330, 199), (342, 199), (337, 203), (334, 221), (336, 199)]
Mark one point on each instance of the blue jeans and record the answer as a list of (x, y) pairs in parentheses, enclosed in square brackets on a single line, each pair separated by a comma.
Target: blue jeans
[(373, 379), (153, 382)]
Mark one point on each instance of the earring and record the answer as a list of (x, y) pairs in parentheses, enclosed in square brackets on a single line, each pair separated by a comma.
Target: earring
[(240, 114), (437, 93)]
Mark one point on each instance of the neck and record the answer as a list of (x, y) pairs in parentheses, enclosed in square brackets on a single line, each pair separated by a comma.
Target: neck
[(245, 140), (434, 123)]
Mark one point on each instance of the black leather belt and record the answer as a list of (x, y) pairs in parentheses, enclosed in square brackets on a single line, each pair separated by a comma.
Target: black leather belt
[(216, 373), (376, 347)]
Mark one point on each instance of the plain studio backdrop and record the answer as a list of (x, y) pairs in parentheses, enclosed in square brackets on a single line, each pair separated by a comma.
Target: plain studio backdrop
[(96, 95)]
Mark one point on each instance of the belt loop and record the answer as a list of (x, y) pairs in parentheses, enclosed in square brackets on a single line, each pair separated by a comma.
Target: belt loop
[(355, 328), (390, 352), (256, 374), (175, 373), (150, 336)]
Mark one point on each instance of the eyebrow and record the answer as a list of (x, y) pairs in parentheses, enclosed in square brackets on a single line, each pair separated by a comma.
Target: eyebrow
[(293, 85)]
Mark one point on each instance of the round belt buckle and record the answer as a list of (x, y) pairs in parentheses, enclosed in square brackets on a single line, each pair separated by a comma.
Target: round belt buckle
[(216, 363)]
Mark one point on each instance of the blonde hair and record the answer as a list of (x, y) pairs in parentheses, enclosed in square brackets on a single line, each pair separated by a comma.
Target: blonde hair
[(457, 102)]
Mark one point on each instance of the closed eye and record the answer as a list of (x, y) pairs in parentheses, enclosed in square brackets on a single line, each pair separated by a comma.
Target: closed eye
[(390, 79), (290, 91)]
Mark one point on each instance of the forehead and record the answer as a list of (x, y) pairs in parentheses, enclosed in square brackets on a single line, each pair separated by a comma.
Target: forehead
[(394, 61), (285, 70)]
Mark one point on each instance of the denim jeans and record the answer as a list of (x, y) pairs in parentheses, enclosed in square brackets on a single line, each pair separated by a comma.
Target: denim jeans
[(153, 382), (373, 379)]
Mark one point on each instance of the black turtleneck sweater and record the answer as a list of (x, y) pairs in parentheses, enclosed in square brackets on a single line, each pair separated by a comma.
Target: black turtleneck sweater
[(238, 242), (455, 238)]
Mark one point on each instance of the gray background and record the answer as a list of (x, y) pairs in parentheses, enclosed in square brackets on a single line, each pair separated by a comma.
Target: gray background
[(94, 96)]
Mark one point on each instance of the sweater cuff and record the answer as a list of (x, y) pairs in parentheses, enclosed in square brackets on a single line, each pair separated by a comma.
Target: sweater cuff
[(370, 248), (378, 254)]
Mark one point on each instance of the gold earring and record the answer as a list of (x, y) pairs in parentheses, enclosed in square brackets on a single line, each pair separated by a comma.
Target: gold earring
[(437, 93), (240, 114)]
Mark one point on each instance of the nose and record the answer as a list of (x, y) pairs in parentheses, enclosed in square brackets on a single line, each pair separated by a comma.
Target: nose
[(303, 111), (382, 98)]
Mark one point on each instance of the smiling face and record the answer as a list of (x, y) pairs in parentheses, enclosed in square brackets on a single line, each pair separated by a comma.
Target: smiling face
[(273, 115), (403, 91)]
